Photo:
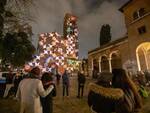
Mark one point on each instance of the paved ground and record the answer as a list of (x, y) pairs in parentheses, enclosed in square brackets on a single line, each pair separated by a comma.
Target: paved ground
[(69, 104), (72, 104)]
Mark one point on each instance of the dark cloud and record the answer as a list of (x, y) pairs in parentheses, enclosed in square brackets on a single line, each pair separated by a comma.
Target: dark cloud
[(94, 4), (92, 14)]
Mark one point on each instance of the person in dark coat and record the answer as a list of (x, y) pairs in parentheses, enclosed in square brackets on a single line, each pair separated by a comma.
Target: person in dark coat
[(9, 84), (65, 81), (58, 76), (102, 96), (147, 76), (81, 82), (47, 102), (16, 80)]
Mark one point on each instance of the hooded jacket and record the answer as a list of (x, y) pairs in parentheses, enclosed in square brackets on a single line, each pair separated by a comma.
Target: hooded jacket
[(102, 99)]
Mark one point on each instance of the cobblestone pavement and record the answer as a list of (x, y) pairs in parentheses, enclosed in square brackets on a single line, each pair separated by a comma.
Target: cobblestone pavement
[(69, 104)]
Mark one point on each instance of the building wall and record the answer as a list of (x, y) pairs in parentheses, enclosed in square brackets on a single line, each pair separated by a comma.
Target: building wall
[(121, 49), (135, 39), (134, 36), (128, 49), (133, 6)]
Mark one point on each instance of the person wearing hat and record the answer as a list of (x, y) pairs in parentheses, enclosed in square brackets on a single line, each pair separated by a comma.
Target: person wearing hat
[(29, 91)]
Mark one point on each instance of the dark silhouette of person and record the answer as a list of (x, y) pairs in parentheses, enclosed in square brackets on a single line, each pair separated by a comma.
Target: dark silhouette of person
[(9, 83), (58, 76), (81, 83), (47, 102), (65, 81), (16, 80)]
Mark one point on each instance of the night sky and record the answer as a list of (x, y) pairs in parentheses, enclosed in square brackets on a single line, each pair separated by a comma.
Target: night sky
[(92, 14)]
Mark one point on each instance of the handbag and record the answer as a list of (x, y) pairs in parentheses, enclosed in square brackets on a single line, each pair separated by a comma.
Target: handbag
[(143, 92)]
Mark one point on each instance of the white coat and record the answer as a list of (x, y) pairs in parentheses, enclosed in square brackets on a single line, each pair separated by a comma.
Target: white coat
[(29, 92)]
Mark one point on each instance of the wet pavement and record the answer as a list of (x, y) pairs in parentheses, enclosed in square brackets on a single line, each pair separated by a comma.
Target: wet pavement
[(70, 104)]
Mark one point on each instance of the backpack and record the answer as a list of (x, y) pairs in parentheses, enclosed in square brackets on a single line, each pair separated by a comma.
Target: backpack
[(126, 104), (143, 92)]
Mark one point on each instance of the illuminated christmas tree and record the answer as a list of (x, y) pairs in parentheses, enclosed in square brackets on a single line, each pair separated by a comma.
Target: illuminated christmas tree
[(57, 50)]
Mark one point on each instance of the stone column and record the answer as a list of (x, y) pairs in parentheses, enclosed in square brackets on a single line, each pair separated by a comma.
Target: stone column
[(92, 65), (110, 68), (146, 60), (138, 62), (100, 70)]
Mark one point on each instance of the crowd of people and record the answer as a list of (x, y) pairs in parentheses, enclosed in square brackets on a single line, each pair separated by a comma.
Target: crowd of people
[(142, 78), (112, 92), (35, 89)]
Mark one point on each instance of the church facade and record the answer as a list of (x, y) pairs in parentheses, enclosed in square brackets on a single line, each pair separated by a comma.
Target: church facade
[(131, 52)]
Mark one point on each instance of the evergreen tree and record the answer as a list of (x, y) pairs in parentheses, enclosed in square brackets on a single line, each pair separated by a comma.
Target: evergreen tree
[(2, 10), (105, 34), (19, 51), (15, 47)]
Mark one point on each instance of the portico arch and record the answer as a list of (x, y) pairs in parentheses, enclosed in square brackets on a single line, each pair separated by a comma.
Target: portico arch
[(96, 64), (115, 60), (104, 64), (143, 56)]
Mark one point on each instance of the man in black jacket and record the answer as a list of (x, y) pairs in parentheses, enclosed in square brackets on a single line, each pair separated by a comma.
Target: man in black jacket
[(81, 82)]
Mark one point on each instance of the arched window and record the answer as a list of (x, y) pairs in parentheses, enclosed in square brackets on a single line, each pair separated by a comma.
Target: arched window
[(135, 15), (142, 12)]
